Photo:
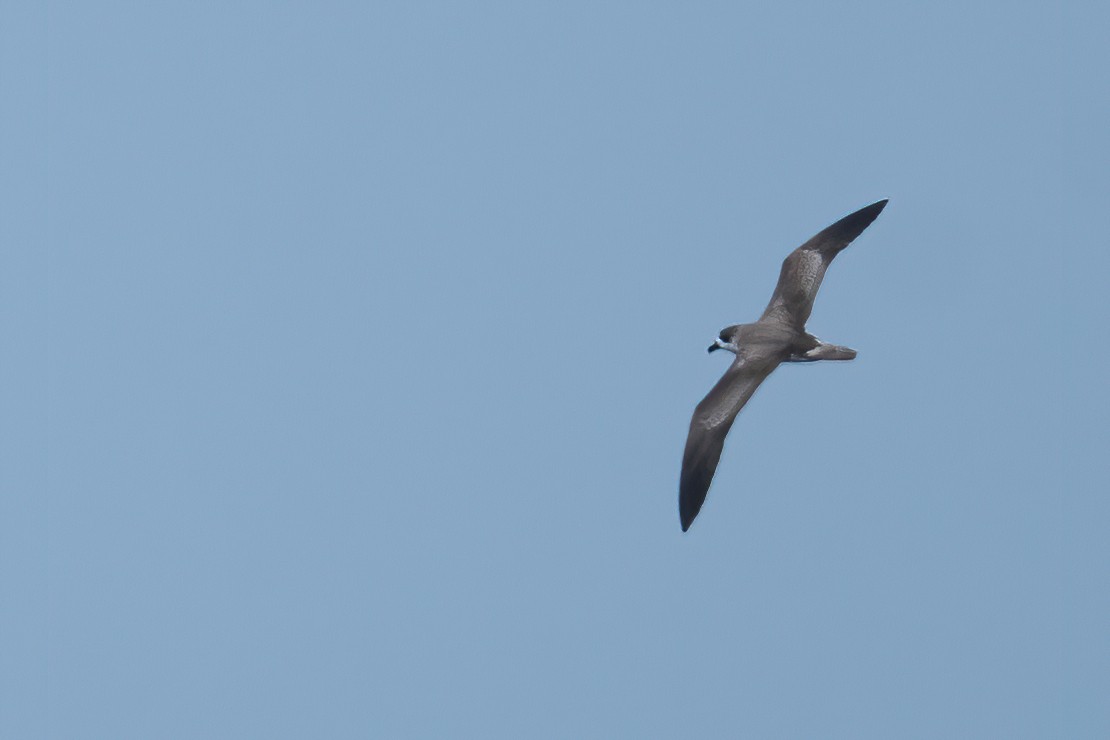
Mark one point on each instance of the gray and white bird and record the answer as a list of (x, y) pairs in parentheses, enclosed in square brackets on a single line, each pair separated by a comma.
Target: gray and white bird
[(779, 336)]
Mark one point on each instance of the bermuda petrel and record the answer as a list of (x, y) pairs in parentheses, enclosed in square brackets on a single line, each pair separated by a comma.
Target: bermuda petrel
[(779, 336)]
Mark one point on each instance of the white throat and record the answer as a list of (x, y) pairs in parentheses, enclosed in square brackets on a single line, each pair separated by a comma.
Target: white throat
[(726, 345)]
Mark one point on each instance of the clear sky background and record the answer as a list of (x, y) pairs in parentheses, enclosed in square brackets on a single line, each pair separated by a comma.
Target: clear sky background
[(347, 353)]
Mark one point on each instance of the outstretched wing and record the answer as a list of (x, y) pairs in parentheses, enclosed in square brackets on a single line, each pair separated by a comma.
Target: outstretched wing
[(804, 268), (712, 419)]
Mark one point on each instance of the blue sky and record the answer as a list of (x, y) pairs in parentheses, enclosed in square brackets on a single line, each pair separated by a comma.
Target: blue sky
[(349, 352)]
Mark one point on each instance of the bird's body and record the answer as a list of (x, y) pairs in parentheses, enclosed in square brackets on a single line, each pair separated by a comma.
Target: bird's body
[(779, 336)]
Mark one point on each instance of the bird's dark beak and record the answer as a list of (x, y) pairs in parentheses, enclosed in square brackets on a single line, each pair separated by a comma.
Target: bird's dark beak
[(713, 347)]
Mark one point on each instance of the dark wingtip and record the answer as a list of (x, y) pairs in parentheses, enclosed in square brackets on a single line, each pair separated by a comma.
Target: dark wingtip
[(872, 211), (864, 216), (693, 487), (687, 510), (843, 232)]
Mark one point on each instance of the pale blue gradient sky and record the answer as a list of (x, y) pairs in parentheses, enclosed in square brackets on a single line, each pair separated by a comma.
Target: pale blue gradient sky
[(347, 353)]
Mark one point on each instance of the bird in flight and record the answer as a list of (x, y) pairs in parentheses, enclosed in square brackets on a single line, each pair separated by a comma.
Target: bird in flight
[(779, 336)]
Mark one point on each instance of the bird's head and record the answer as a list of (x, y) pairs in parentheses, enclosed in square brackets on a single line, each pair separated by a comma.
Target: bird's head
[(727, 339)]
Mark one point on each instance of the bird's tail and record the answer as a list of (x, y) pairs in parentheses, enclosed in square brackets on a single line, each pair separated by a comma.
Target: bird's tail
[(832, 352)]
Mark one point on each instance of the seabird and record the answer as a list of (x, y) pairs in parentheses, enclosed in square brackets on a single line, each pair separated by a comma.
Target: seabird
[(779, 336)]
